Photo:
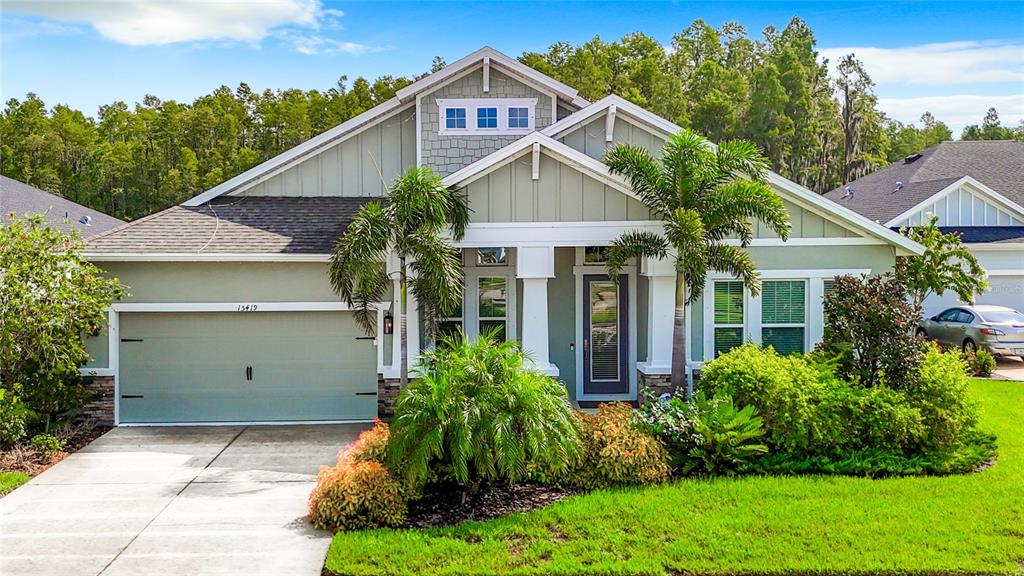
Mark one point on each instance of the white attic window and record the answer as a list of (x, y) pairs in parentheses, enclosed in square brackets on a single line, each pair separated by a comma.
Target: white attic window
[(487, 116)]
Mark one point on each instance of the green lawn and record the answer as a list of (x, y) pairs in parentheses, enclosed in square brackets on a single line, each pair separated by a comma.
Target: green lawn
[(11, 480), (970, 524)]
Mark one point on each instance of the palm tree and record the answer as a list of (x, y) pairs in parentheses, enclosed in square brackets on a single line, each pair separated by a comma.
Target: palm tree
[(410, 224), (705, 196)]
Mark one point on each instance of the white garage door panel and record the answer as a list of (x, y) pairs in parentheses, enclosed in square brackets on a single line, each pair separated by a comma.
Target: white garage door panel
[(192, 367)]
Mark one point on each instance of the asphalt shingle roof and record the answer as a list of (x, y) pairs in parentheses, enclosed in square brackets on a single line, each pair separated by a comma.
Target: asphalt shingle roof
[(987, 234), (23, 199), (237, 225), (998, 164)]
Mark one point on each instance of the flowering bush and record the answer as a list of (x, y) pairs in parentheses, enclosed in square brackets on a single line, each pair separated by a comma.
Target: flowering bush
[(355, 495), (980, 363), (707, 435), (616, 452)]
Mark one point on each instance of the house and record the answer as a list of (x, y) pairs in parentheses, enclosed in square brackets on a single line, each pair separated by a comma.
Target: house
[(22, 199), (975, 188), (232, 318)]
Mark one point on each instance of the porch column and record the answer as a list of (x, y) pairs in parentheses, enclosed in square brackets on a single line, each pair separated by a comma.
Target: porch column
[(661, 301), (534, 265), (412, 320)]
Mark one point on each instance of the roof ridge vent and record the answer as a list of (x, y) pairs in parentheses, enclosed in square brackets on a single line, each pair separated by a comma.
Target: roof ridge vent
[(911, 158)]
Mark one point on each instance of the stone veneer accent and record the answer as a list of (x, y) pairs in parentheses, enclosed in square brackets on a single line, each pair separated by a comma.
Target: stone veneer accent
[(446, 154), (100, 410), (387, 393), (660, 383)]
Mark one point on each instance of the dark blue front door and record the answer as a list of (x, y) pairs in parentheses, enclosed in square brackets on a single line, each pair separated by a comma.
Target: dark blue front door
[(605, 335)]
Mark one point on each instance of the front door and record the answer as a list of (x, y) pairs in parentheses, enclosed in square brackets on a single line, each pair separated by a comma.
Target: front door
[(605, 336)]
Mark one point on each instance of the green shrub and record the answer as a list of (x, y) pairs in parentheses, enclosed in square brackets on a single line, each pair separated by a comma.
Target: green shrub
[(872, 318), (46, 444), (670, 419), (617, 452), (12, 417), (980, 363), (942, 394), (783, 390), (851, 417), (728, 438), (356, 495), (475, 414)]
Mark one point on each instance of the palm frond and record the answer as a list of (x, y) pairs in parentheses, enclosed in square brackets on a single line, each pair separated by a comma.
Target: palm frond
[(644, 175), (736, 159), (633, 244), (729, 208), (737, 262)]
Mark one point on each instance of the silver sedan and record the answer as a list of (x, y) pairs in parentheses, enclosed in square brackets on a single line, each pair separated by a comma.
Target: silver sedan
[(995, 329)]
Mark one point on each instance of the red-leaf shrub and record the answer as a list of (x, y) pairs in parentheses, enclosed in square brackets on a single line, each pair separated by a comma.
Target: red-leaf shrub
[(355, 495), (616, 452), (370, 446)]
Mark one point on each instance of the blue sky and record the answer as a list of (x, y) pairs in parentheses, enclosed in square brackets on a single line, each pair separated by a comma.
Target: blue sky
[(952, 58)]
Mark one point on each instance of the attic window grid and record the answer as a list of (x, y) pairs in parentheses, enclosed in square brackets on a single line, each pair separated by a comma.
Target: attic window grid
[(487, 116)]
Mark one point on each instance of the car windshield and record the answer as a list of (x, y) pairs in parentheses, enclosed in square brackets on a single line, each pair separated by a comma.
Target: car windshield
[(1004, 317)]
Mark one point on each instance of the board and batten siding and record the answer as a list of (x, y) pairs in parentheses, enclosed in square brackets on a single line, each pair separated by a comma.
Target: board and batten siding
[(448, 153), (962, 207), (589, 138), (359, 165), (561, 194)]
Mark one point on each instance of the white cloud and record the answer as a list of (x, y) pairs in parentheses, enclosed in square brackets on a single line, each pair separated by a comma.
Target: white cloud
[(146, 22), (956, 111), (939, 64)]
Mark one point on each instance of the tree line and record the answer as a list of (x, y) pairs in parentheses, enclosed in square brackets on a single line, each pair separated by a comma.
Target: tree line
[(815, 128)]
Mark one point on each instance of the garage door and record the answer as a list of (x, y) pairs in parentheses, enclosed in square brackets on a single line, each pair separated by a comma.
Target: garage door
[(245, 367), (1004, 290)]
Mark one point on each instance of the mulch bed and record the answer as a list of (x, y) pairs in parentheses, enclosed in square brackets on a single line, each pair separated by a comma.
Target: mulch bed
[(443, 506), (21, 459)]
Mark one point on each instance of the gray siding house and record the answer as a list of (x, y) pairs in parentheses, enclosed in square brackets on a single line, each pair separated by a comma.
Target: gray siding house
[(232, 318), (975, 189)]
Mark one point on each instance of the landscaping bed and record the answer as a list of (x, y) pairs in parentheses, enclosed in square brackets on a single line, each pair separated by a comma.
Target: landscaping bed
[(20, 462), (437, 507), (810, 524)]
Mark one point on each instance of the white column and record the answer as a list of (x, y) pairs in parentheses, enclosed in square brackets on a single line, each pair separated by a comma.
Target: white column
[(414, 330), (534, 265), (815, 311), (396, 333), (661, 303)]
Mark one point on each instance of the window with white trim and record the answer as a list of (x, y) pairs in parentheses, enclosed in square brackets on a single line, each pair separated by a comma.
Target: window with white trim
[(486, 115), (784, 315), (455, 118), (728, 315), (491, 257), (492, 310), (450, 325)]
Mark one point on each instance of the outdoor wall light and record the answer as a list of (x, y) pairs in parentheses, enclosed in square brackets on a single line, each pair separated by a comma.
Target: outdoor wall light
[(389, 322)]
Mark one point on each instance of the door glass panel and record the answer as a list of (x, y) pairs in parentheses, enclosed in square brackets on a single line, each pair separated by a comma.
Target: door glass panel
[(604, 332), (492, 297)]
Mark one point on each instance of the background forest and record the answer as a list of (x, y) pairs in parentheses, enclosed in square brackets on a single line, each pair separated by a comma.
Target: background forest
[(818, 129)]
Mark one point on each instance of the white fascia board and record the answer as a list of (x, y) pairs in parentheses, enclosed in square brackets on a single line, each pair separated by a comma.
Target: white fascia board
[(984, 190), (561, 152), (477, 57), (799, 192), (995, 246), (202, 257), (622, 106), (242, 307), (291, 156)]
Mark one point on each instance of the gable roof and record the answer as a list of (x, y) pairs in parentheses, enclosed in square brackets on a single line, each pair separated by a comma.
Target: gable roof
[(796, 192), (403, 98), (571, 156), (507, 63), (62, 213), (232, 226), (997, 164)]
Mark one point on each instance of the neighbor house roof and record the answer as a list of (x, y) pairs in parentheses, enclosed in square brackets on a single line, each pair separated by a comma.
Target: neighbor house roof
[(987, 234), (23, 199), (998, 164), (246, 225)]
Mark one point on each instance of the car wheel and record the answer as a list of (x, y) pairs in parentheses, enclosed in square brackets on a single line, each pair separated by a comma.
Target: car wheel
[(921, 334), (970, 347)]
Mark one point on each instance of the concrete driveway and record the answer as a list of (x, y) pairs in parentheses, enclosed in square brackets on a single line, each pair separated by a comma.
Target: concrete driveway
[(1010, 369), (174, 501)]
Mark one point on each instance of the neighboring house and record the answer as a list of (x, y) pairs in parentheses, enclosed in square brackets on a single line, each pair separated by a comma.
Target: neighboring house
[(22, 199), (975, 188), (232, 317)]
